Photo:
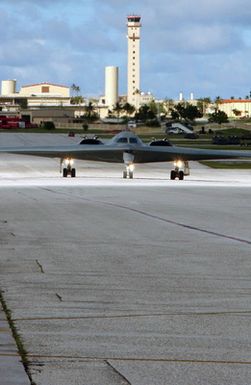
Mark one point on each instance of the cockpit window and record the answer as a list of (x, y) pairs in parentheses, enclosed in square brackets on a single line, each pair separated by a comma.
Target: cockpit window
[(133, 140), (122, 140)]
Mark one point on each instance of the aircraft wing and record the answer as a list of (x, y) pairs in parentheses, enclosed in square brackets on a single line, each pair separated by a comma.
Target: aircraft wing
[(160, 154), (105, 153), (114, 153)]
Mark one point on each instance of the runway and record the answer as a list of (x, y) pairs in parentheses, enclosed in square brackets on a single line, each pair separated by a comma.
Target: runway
[(113, 282)]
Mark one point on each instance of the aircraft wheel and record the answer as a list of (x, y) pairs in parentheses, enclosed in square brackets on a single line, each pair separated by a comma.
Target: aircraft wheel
[(65, 173), (73, 172), (130, 174), (172, 175), (181, 175), (124, 174)]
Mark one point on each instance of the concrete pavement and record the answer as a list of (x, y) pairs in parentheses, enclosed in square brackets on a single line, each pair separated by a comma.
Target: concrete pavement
[(11, 369), (142, 282)]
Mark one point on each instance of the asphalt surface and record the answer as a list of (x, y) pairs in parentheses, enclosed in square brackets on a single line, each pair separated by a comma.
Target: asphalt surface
[(112, 281)]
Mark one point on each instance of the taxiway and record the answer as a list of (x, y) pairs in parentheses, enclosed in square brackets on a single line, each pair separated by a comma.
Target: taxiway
[(113, 282)]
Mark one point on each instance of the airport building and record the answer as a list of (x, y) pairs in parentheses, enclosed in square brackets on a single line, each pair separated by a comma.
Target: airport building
[(33, 95), (45, 89), (236, 108), (34, 102)]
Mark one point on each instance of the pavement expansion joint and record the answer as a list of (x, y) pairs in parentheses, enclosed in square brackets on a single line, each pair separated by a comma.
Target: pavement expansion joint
[(139, 359), (166, 220), (116, 371), (9, 355), (172, 222), (178, 314)]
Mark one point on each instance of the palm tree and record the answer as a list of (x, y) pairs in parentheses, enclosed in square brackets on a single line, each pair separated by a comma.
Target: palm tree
[(75, 89), (137, 91), (117, 109), (89, 110), (128, 108), (217, 101), (203, 104)]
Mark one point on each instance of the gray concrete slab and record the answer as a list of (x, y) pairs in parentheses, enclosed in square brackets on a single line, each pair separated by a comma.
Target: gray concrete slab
[(143, 281), (11, 369), (70, 371)]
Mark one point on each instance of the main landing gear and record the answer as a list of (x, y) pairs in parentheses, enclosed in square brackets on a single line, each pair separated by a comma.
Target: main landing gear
[(68, 169), (128, 172), (177, 172)]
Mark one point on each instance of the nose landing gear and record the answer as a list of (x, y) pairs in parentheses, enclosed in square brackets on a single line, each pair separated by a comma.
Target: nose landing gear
[(128, 172)]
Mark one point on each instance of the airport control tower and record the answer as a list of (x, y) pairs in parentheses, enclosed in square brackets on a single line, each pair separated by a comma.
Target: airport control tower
[(133, 68)]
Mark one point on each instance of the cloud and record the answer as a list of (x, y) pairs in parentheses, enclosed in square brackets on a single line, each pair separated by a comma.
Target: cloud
[(40, 3), (184, 44), (169, 12), (195, 39)]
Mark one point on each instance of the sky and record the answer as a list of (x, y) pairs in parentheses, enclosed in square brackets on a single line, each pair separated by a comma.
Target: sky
[(199, 46)]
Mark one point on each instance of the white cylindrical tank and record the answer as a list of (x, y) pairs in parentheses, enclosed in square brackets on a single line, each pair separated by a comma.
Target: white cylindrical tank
[(181, 96), (111, 86), (191, 96), (8, 87)]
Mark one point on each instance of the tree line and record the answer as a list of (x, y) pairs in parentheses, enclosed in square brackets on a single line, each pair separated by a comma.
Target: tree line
[(152, 113)]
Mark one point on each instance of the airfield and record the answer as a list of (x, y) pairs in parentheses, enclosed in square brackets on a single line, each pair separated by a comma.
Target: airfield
[(114, 282)]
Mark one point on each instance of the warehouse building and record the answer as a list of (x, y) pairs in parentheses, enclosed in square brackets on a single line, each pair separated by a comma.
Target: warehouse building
[(33, 95)]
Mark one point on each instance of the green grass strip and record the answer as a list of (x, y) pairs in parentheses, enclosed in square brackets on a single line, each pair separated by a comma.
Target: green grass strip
[(227, 165)]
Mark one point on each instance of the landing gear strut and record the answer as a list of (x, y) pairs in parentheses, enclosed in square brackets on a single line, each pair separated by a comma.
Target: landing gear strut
[(128, 158), (68, 169), (186, 168)]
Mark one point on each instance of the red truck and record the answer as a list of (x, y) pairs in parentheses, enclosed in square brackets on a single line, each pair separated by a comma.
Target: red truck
[(8, 122)]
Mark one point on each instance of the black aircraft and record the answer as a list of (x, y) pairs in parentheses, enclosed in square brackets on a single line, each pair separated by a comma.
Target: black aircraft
[(127, 148)]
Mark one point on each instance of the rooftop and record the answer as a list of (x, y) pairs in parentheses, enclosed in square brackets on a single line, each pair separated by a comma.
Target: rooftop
[(134, 18), (45, 83), (235, 101)]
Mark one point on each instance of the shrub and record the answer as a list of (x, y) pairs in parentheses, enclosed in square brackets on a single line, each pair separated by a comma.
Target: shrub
[(49, 125)]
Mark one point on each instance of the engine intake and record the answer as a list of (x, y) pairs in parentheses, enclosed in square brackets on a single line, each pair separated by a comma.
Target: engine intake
[(90, 141), (161, 142)]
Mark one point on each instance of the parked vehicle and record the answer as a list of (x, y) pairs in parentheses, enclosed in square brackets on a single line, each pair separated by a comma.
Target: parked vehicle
[(178, 128), (131, 124), (9, 122)]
